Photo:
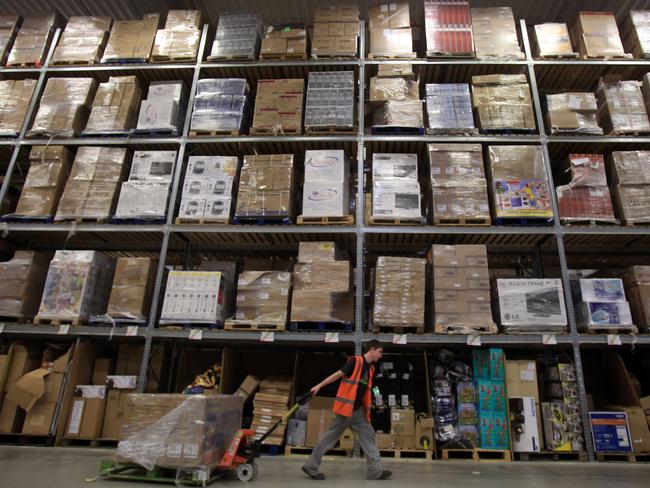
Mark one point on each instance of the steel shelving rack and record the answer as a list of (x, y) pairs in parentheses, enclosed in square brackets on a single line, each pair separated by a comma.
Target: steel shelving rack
[(169, 237)]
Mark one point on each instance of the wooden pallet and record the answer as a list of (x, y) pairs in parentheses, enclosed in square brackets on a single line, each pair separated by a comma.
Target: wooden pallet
[(215, 133), (335, 56), (388, 221), (586, 57), (82, 220), (476, 455), (295, 451), (406, 454), (253, 325), (628, 133), (589, 222), (186, 221), (43, 321), (120, 61), (398, 329), (466, 329), (172, 59), (632, 457), (324, 131), (550, 456), (444, 54), (232, 57), (75, 62), (283, 56), (29, 64), (508, 132), (628, 223), (612, 329), (559, 56), (584, 132), (254, 131), (346, 220), (392, 56), (451, 132), (464, 221)]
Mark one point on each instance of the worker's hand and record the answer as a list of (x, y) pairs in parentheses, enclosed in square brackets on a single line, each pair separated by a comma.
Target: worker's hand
[(315, 389)]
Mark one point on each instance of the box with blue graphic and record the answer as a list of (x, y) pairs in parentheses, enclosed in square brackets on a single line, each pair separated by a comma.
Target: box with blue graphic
[(493, 431), (610, 431), (604, 313), (599, 290)]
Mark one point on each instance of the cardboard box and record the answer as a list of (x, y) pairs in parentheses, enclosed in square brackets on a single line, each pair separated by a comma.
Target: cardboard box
[(21, 282), (603, 313), (632, 203), (389, 16), (114, 414), (176, 45), (384, 441), (320, 415), (639, 432), (399, 291), (637, 27), (195, 297), (391, 42), (527, 304), (524, 424), (131, 291), (263, 296), (621, 108), (101, 369), (597, 36), (573, 112), (449, 107), (489, 365), (321, 306), (346, 440), (310, 252), (639, 297), (326, 199), (552, 39), (278, 105), (132, 39), (598, 290), (495, 33), (402, 422), (248, 388), (384, 89), (15, 96), (333, 276), (629, 167), (424, 433), (610, 432), (503, 102), (86, 414)]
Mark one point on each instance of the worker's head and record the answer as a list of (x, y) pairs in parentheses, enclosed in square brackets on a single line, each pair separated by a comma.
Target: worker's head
[(373, 351)]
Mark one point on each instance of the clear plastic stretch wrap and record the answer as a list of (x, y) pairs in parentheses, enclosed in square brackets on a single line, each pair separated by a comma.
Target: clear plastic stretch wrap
[(321, 306), (596, 34), (263, 296), (552, 40), (132, 285), (8, 29), (238, 35), (399, 114), (179, 40), (621, 108), (449, 107), (220, 105), (633, 203), (448, 28), (83, 40), (495, 33), (503, 102), (326, 276), (77, 286), (266, 186), (573, 112), (63, 109), (92, 187), (115, 107), (15, 96), (48, 170), (384, 89), (195, 434), (391, 42), (395, 186), (33, 40), (400, 285), (639, 31), (132, 40), (142, 199), (461, 203), (194, 297), (456, 165), (278, 106), (330, 99), (21, 281), (630, 167)]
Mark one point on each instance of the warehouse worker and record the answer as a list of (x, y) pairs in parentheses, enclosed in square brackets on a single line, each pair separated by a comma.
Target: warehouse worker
[(351, 409)]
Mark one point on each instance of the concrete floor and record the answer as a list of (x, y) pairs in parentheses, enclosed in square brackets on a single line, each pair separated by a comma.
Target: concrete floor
[(27, 467)]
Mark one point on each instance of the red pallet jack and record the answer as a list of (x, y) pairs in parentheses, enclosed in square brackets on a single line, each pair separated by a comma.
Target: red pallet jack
[(238, 461)]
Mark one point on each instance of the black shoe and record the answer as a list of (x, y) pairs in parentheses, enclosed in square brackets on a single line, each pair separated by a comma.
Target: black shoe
[(317, 476), (385, 475)]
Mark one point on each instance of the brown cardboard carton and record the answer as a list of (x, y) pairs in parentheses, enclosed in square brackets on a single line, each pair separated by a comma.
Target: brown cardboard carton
[(347, 440), (114, 414), (384, 441), (274, 46), (639, 298), (346, 44), (403, 422), (639, 431), (38, 420), (389, 16), (333, 276), (596, 34), (391, 42), (15, 96), (552, 39), (321, 306), (132, 286), (323, 45), (632, 203), (144, 409), (297, 46), (628, 167), (129, 357), (116, 105), (21, 283), (310, 252), (424, 433), (248, 388), (318, 420), (621, 107), (101, 370), (495, 33)]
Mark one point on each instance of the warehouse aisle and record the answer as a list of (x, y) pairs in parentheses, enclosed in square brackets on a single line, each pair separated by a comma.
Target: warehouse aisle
[(68, 467)]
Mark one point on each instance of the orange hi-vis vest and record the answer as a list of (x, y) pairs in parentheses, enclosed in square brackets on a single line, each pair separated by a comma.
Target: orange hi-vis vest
[(347, 394)]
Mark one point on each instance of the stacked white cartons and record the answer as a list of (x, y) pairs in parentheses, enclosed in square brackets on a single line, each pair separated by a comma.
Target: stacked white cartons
[(162, 110), (145, 194), (194, 297), (601, 304), (326, 190), (395, 186), (207, 189)]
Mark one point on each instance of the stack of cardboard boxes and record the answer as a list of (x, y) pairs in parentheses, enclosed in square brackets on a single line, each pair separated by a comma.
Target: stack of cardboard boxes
[(321, 285), (518, 184), (561, 409), (461, 289), (503, 102), (263, 297), (21, 284), (459, 188), (466, 399), (132, 286), (179, 40), (78, 285), (402, 427), (49, 167), (530, 305), (269, 405), (318, 419), (573, 113), (33, 40), (448, 29), (525, 407), (586, 197), (449, 108), (145, 410), (495, 33), (395, 187), (637, 287), (489, 376), (390, 31), (194, 297), (621, 109), (91, 190), (630, 181), (601, 305), (552, 41), (82, 41), (131, 40), (115, 107), (163, 109), (400, 290), (64, 107), (208, 189), (221, 105), (596, 36), (266, 187), (637, 33), (330, 100), (15, 96), (237, 36), (326, 191), (145, 194), (8, 29), (336, 31), (395, 99), (284, 41), (278, 107)]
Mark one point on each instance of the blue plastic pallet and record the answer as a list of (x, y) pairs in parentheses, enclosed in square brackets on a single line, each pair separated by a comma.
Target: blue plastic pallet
[(27, 220), (386, 130), (262, 220), (321, 326), (523, 221), (136, 221)]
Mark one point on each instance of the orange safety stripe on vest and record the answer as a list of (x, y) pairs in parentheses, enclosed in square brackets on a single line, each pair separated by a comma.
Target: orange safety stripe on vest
[(347, 393)]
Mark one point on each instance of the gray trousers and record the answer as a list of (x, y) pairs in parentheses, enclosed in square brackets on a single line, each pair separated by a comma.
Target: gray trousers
[(364, 430)]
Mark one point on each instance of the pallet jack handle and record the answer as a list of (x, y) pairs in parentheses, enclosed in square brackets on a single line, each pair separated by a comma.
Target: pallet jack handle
[(301, 400)]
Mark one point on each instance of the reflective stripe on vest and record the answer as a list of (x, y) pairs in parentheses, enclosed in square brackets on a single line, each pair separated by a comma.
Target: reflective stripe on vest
[(347, 392)]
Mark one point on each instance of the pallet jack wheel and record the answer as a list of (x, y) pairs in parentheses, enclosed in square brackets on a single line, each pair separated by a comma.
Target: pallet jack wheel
[(246, 471)]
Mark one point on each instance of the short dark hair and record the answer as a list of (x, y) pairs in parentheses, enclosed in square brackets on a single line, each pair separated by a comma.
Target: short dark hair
[(372, 344)]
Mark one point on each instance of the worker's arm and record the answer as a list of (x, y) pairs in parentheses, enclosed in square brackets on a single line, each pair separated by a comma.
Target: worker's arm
[(330, 379)]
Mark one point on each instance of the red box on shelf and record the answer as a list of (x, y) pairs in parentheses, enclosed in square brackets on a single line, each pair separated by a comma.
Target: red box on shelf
[(585, 203), (448, 28)]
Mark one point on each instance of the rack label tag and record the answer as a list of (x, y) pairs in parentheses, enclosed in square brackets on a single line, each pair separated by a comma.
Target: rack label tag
[(132, 331), (399, 339), (474, 340), (331, 337), (614, 340), (196, 334), (267, 336), (549, 339), (63, 329)]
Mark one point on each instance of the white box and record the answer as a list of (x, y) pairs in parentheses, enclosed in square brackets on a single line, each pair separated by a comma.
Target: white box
[(208, 166), (601, 290), (218, 208), (389, 166), (195, 187), (220, 187), (166, 90), (396, 198), (604, 313), (531, 302), (140, 199), (192, 208), (154, 166), (325, 198), (194, 297), (523, 424), (158, 114), (326, 166)]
